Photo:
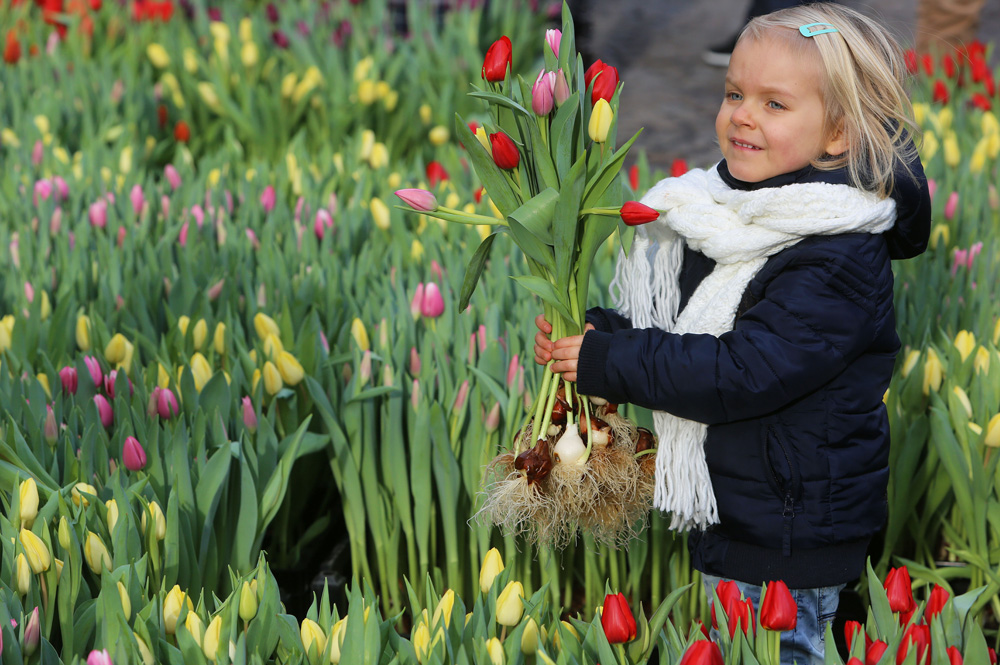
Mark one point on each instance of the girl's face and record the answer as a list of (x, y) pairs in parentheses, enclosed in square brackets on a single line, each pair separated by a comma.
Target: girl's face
[(772, 117)]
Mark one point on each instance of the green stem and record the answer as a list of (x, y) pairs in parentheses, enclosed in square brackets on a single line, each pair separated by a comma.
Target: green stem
[(623, 658)]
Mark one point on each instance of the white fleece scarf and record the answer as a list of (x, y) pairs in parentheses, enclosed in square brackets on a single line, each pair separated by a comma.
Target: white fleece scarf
[(739, 230)]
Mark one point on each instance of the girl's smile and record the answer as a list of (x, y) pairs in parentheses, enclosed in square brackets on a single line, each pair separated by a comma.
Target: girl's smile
[(772, 119)]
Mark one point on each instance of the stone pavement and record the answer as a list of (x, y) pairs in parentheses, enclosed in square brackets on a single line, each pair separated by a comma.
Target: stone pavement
[(668, 90)]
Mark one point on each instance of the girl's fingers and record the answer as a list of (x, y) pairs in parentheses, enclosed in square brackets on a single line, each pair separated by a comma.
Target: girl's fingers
[(542, 324)]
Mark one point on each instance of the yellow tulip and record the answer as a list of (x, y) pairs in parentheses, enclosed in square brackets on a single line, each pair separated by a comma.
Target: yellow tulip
[(290, 369), (601, 117), (96, 553), (978, 160), (421, 642), (438, 135), (272, 346), (337, 638), (272, 378), (484, 139), (162, 376), (83, 332), (28, 495), (208, 95), (126, 601), (63, 532), (288, 84), (114, 352), (495, 649), (367, 92), (444, 609), (989, 124), (210, 643), (965, 342), (509, 604), (963, 399), (77, 494), (993, 432), (201, 371), (982, 361), (5, 338), (195, 627), (940, 233), (379, 156), (144, 653), (380, 213), (249, 54), (159, 521), (363, 68), (173, 605), (254, 380), (933, 372), (248, 602), (929, 146), (416, 250), (492, 566), (952, 155), (124, 163), (529, 637), (43, 379), (313, 637), (920, 113), (199, 334), (112, 507), (38, 554), (265, 325), (23, 573), (395, 180), (425, 113), (158, 55), (359, 334), (310, 81)]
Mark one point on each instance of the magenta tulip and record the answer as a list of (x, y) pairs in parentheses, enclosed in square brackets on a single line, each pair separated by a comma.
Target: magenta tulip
[(133, 454), (249, 415), (37, 153), (98, 214), (416, 303), (951, 206), (542, 93), (199, 215), (62, 189), (101, 657), (267, 198), (419, 199), (323, 221), (432, 305), (94, 367), (43, 190), (138, 198), (109, 383), (104, 409), (166, 404), (173, 177), (553, 39), (69, 379), (182, 237)]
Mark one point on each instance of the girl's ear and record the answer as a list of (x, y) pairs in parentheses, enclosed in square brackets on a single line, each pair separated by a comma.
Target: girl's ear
[(836, 145)]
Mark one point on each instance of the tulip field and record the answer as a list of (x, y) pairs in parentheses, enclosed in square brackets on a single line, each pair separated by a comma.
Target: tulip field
[(245, 411)]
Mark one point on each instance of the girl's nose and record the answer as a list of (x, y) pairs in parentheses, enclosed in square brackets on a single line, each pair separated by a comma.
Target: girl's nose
[(741, 116)]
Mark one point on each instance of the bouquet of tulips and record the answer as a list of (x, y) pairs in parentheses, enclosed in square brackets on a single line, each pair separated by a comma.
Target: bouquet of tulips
[(547, 161)]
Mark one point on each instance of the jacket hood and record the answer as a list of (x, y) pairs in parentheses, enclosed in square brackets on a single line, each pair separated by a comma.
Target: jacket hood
[(907, 238)]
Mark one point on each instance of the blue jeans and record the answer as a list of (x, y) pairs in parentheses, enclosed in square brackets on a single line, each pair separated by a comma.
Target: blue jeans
[(804, 645)]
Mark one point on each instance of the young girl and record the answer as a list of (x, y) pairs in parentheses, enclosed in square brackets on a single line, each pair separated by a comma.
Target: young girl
[(755, 316)]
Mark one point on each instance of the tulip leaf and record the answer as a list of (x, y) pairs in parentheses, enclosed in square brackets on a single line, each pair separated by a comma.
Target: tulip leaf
[(565, 221), (533, 247), (597, 185), (245, 532), (500, 100), (475, 270), (536, 215), (884, 620), (546, 291), (215, 396), (209, 493), (489, 173)]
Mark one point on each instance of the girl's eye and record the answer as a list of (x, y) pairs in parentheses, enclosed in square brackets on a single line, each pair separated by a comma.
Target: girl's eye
[(777, 106), (734, 96)]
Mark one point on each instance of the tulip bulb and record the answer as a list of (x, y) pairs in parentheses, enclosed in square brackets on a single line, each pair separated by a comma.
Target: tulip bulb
[(570, 448)]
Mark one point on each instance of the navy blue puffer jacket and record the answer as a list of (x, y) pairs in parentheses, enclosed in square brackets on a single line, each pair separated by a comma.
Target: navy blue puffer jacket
[(798, 439)]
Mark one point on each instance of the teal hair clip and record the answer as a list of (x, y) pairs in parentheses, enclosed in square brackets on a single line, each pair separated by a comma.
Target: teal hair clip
[(813, 29)]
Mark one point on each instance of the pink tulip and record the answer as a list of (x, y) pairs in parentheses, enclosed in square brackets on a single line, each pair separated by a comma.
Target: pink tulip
[(94, 367), (463, 394), (249, 415), (182, 238), (37, 153), (29, 291), (418, 199), (414, 361), (138, 198), (512, 371), (33, 629), (300, 205), (43, 190), (229, 201), (198, 214), (67, 375), (560, 90), (432, 305), (133, 456), (216, 289), (472, 348), (267, 198), (98, 214), (166, 403), (323, 340), (974, 251), (121, 236), (99, 657), (492, 420), (323, 221), (961, 258), (481, 335), (55, 223), (104, 409), (553, 38), (109, 383), (542, 93), (931, 187), (252, 237), (951, 206), (436, 270), (50, 429), (173, 177), (417, 301), (62, 189)]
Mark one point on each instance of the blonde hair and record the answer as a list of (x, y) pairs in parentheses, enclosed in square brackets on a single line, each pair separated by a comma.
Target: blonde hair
[(863, 90)]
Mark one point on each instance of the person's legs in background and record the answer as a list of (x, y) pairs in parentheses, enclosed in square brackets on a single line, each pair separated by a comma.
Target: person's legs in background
[(944, 25)]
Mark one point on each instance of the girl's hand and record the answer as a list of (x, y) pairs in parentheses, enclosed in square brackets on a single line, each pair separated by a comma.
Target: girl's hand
[(564, 353)]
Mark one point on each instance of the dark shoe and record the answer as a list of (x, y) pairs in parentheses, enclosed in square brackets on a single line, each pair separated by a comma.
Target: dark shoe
[(718, 55)]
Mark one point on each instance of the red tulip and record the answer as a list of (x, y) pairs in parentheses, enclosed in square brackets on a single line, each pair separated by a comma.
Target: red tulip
[(617, 620), (161, 115), (436, 173), (497, 60), (634, 213), (778, 610), (940, 92), (898, 589), (182, 132), (936, 602), (133, 454), (702, 652), (954, 655), (874, 653), (928, 63), (993, 656), (948, 64), (981, 101), (633, 177), (678, 168), (742, 612), (605, 80), (729, 594), (505, 153), (911, 61), (11, 48), (920, 637), (854, 661)]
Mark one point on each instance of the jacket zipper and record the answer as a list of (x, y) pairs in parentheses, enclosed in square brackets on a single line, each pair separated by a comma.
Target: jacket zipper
[(788, 512)]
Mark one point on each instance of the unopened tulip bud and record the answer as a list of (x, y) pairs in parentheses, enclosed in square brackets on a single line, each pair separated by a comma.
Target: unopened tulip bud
[(249, 415), (36, 551), (125, 600), (83, 332), (510, 605), (553, 38), (210, 642), (313, 638), (144, 653), (137, 198), (98, 214), (195, 627), (158, 520), (463, 394), (94, 368), (418, 199), (133, 454), (290, 369), (359, 334), (112, 514), (96, 553), (28, 498), (32, 633), (22, 573), (101, 657), (104, 410), (560, 89), (248, 602), (63, 533), (495, 650), (601, 117), (417, 301), (492, 421), (166, 404), (505, 152), (492, 566), (380, 213), (272, 378), (432, 305), (542, 93), (993, 432)]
